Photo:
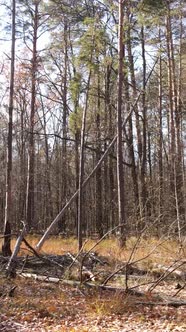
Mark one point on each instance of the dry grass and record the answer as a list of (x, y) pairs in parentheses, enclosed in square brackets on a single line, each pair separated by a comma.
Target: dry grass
[(105, 305), (150, 250)]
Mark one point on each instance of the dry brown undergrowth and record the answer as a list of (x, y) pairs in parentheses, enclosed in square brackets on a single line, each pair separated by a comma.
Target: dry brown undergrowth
[(39, 306), (166, 249)]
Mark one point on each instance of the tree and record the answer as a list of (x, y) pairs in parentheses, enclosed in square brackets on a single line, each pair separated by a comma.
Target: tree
[(6, 248), (31, 150), (120, 172), (143, 174)]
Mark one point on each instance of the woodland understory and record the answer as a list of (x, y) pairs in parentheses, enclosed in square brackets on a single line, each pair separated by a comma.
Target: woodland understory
[(103, 288)]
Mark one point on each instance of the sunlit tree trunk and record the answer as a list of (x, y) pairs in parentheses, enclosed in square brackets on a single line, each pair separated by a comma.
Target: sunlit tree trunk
[(136, 113), (178, 123), (160, 137), (130, 143), (81, 168), (22, 163), (64, 163), (120, 170), (143, 168), (99, 203), (180, 113), (109, 191), (172, 133)]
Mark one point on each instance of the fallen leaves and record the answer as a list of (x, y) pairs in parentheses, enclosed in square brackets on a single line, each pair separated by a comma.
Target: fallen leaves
[(40, 307)]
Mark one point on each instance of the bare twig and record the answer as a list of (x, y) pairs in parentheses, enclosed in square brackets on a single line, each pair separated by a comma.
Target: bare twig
[(95, 245), (168, 271)]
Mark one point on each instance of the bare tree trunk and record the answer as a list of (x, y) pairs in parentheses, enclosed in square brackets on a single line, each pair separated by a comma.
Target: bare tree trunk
[(110, 161), (49, 203), (172, 135), (64, 164), (178, 122), (31, 147), (6, 248), (180, 110), (77, 162), (99, 205), (120, 170), (81, 168), (129, 135), (108, 169), (130, 143), (138, 130), (160, 139), (144, 147)]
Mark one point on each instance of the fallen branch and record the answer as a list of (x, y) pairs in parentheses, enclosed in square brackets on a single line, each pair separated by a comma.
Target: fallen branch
[(85, 274), (160, 301), (40, 278), (175, 304), (95, 245), (7, 235), (79, 284), (171, 270)]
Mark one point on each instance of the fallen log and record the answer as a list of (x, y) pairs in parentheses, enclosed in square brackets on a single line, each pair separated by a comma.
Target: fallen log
[(161, 301), (39, 277)]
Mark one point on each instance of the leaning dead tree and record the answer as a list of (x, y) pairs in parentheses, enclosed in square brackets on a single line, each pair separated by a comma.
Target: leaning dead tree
[(74, 196)]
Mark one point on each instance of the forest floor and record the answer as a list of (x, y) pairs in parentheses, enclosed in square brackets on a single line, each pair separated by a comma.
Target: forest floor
[(157, 276)]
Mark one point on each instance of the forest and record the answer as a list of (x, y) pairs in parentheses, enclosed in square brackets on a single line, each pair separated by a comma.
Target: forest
[(92, 141), (60, 114)]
